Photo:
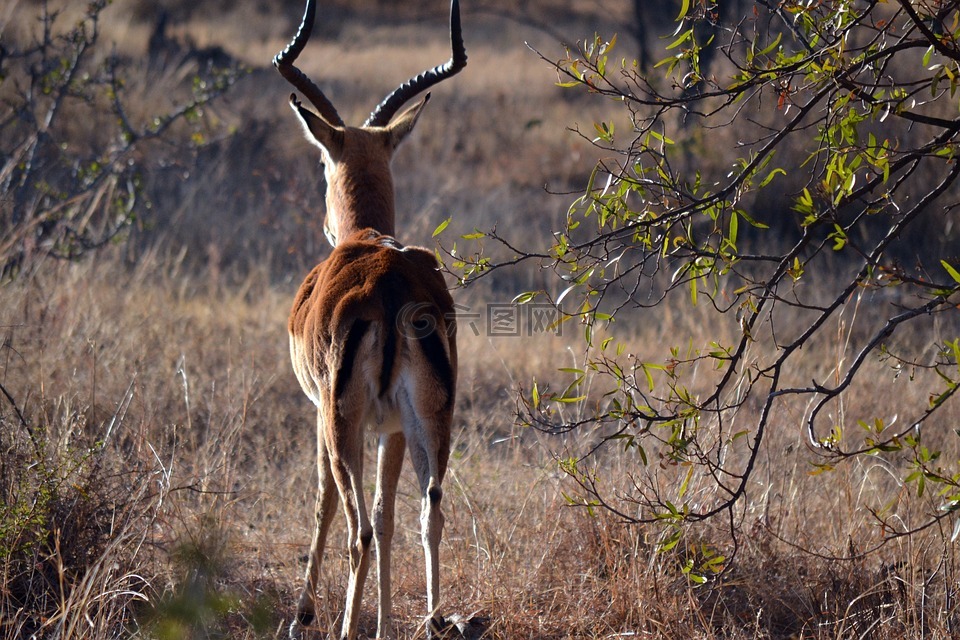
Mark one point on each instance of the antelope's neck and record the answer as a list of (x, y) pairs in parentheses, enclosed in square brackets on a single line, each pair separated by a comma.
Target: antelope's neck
[(362, 204)]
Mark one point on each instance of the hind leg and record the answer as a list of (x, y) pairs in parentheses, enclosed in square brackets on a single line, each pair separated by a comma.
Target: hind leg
[(389, 464), (344, 444), (428, 440), (325, 510)]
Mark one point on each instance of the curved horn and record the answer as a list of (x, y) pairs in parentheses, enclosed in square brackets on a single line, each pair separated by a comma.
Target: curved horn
[(284, 60), (388, 108)]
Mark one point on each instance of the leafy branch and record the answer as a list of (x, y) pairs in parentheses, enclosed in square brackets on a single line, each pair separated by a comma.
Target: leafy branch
[(844, 164)]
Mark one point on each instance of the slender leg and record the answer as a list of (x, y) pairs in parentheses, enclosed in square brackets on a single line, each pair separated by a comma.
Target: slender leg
[(325, 511), (389, 464), (431, 530), (346, 462), (426, 453)]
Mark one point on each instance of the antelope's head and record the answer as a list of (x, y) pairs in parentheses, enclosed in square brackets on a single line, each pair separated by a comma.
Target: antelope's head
[(356, 160)]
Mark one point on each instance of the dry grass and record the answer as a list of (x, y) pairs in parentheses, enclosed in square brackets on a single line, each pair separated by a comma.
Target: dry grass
[(161, 482), (179, 451)]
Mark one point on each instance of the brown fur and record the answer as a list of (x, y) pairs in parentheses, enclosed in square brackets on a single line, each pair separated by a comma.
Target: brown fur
[(360, 281)]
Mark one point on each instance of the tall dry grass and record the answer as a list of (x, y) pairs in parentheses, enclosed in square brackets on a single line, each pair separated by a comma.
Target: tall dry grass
[(169, 485), (157, 455)]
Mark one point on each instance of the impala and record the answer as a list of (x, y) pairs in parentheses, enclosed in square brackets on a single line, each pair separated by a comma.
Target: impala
[(372, 340)]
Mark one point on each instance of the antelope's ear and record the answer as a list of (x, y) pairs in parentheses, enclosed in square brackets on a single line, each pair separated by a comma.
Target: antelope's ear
[(403, 124), (318, 131)]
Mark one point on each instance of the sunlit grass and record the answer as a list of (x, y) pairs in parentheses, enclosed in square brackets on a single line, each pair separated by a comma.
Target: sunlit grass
[(161, 481)]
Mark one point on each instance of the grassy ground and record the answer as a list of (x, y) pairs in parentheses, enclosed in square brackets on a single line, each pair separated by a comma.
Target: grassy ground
[(157, 454), (173, 490)]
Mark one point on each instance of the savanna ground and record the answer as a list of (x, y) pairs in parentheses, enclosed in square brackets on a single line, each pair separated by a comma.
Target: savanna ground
[(157, 460)]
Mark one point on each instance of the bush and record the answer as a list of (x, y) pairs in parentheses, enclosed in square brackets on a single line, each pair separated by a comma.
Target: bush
[(74, 155), (70, 528)]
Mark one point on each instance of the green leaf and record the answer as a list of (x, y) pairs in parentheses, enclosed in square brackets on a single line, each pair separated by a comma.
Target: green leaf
[(441, 227), (604, 131), (951, 270), (770, 176), (732, 237), (662, 138), (671, 540), (772, 46), (696, 578), (685, 483), (753, 223), (686, 35), (646, 372)]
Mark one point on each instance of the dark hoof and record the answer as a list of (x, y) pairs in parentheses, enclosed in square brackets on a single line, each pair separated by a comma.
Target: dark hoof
[(457, 627), (437, 627), (300, 625)]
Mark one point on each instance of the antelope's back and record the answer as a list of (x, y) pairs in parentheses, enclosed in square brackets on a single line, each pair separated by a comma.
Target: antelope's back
[(375, 312)]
